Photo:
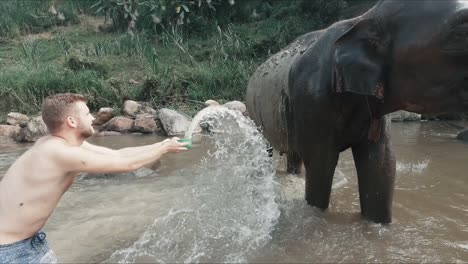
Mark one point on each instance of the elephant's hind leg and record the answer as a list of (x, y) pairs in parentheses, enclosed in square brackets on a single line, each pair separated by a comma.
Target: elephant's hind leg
[(294, 163), (320, 166), (375, 165)]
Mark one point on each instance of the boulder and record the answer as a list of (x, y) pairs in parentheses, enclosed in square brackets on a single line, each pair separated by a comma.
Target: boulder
[(133, 108), (120, 124), (236, 105), (211, 103), (145, 123), (402, 115), (174, 123), (130, 107), (9, 131), (14, 119), (104, 114), (210, 118), (34, 129)]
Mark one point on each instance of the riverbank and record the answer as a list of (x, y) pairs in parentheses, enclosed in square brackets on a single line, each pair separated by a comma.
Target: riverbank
[(69, 48)]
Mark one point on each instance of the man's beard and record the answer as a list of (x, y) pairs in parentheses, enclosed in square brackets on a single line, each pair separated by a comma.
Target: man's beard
[(86, 133)]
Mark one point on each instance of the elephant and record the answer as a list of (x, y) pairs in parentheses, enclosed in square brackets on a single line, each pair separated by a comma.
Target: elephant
[(331, 90)]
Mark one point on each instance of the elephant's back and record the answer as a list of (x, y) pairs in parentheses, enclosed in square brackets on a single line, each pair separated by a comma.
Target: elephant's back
[(267, 92)]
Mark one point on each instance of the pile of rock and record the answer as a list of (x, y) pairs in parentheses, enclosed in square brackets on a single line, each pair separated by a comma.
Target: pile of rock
[(21, 128), (137, 117), (140, 117)]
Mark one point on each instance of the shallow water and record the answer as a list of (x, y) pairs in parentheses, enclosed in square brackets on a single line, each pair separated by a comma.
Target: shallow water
[(225, 204)]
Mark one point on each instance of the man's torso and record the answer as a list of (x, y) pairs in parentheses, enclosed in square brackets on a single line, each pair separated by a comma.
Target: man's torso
[(30, 191)]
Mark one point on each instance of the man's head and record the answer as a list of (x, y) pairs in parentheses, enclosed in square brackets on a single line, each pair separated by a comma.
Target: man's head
[(67, 112)]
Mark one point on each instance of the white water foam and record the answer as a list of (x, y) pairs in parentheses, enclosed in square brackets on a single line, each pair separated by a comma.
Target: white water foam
[(340, 179), (417, 167), (229, 212)]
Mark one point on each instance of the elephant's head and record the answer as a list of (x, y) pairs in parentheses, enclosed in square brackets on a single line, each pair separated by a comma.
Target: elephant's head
[(409, 55)]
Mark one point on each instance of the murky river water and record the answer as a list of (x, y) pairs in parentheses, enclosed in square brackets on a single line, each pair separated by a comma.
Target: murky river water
[(223, 201)]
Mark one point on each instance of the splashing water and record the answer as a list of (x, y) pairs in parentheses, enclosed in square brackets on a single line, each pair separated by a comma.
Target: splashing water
[(210, 117), (229, 212)]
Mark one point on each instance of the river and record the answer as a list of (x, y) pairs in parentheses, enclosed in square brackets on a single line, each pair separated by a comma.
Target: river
[(225, 201)]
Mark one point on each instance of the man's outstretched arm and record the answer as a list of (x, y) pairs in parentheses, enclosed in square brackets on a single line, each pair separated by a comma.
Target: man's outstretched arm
[(129, 151), (80, 159)]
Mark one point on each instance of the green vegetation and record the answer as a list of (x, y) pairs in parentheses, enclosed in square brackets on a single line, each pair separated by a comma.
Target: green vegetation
[(170, 53)]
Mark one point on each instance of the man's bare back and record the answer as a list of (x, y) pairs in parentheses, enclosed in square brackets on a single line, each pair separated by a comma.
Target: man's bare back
[(34, 184), (30, 191)]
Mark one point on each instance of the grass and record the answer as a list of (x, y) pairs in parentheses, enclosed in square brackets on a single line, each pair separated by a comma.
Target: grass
[(170, 71), (32, 68), (174, 68)]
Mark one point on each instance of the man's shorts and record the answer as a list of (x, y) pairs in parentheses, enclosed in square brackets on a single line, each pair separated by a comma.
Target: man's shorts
[(31, 250)]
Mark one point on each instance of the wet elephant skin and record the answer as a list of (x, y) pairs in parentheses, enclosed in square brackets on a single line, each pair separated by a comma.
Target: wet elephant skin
[(330, 90)]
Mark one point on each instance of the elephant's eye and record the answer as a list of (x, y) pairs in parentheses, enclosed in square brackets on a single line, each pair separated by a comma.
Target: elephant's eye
[(457, 41)]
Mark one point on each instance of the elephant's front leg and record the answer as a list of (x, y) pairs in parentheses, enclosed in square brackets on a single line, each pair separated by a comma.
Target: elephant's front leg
[(320, 160), (375, 165)]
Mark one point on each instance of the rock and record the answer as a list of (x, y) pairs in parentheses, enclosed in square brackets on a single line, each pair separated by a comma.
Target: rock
[(9, 131), (463, 135), (402, 115), (132, 108), (107, 133), (236, 105), (211, 103), (35, 129), (14, 119), (120, 124), (145, 123), (104, 114), (174, 123)]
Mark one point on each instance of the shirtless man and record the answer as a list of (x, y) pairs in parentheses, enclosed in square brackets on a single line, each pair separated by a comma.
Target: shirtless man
[(34, 184)]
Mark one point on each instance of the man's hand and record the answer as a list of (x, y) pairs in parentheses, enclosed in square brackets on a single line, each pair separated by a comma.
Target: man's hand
[(173, 145)]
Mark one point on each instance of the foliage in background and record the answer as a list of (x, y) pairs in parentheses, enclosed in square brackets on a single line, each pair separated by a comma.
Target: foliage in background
[(22, 17), (199, 16), (26, 87), (178, 53)]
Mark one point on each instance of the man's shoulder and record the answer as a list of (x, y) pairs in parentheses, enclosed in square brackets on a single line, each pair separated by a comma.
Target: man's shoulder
[(47, 140), (49, 144)]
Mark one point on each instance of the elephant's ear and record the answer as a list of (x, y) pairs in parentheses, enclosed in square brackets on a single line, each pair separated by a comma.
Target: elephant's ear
[(359, 60)]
